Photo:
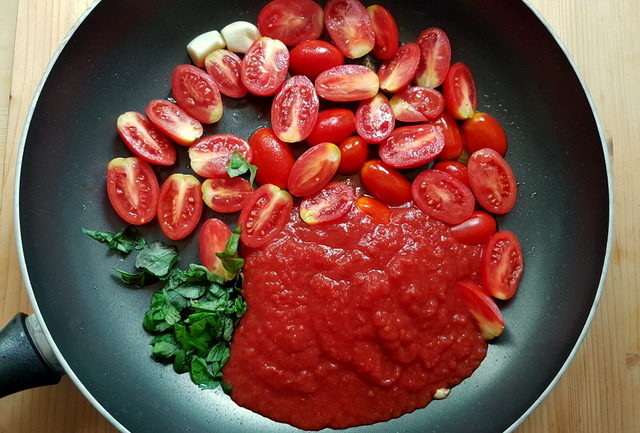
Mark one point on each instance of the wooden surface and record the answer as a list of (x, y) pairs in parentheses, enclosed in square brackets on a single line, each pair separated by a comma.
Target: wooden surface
[(600, 393)]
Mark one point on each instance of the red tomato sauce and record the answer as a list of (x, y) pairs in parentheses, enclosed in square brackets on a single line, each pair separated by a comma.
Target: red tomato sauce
[(353, 322)]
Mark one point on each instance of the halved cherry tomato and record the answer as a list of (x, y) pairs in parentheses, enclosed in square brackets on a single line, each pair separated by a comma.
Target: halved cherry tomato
[(174, 121), (502, 264), (412, 146), (396, 73), (482, 131), (295, 109), (417, 104), (459, 91), (214, 235), (264, 215), (354, 152), (379, 212), (442, 196), (196, 93), (264, 67), (145, 140), (347, 83), (385, 183), (224, 67), (455, 169), (435, 57), (332, 125), (226, 195), (273, 157), (349, 26), (330, 203), (476, 229), (483, 309), (386, 31), (492, 181), (133, 189), (374, 119), (314, 169), (291, 21), (179, 205), (311, 58), (210, 155), (453, 144)]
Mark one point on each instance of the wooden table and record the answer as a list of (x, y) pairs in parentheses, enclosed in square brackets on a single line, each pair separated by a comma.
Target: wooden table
[(600, 393)]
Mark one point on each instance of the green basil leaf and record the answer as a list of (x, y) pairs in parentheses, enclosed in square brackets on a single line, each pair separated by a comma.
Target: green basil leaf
[(124, 241), (164, 351), (190, 291), (219, 353), (139, 279), (157, 259), (200, 374), (226, 387), (238, 166), (181, 362)]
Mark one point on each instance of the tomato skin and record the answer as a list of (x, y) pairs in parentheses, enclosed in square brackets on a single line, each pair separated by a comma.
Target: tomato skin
[(442, 196), (333, 125), (174, 122), (398, 72), (132, 188), (412, 146), (374, 119), (386, 30), (145, 140), (453, 141), (214, 235), (483, 309), (226, 195), (379, 212), (224, 67), (210, 155), (482, 131), (264, 67), (459, 90), (346, 83), (455, 169), (502, 265), (349, 26), (417, 104), (295, 109), (492, 181), (333, 201), (291, 21), (273, 157), (385, 183), (179, 205), (196, 93), (314, 169), (354, 152), (435, 57), (311, 58), (264, 215), (477, 229)]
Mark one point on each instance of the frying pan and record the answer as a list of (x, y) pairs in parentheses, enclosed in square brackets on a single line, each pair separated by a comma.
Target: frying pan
[(88, 324)]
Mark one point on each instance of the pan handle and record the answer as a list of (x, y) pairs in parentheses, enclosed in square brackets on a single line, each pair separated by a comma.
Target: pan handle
[(26, 359)]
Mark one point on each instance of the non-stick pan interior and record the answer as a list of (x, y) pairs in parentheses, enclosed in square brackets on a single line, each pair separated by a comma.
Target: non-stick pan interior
[(122, 56)]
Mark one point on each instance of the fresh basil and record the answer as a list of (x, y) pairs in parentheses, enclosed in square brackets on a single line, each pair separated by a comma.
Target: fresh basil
[(238, 166), (124, 241), (138, 279), (229, 257), (157, 259)]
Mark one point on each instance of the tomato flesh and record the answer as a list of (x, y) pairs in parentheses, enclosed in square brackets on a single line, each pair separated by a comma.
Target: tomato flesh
[(214, 235), (330, 203), (442, 196), (264, 67), (453, 142), (492, 181), (226, 195), (502, 265), (291, 21), (311, 58), (483, 309), (174, 122), (196, 93), (210, 155), (273, 157), (374, 119), (347, 83), (379, 212), (264, 215), (224, 67), (477, 229), (398, 72), (483, 131), (295, 109), (435, 57), (354, 152), (412, 146), (385, 29), (349, 26), (385, 183), (417, 104), (179, 205), (314, 169), (132, 188), (145, 140), (333, 125), (455, 169), (459, 90)]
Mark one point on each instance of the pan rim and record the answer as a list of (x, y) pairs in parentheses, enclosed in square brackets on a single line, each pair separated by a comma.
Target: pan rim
[(107, 415)]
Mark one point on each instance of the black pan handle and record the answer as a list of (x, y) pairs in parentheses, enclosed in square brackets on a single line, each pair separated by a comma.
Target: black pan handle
[(26, 359)]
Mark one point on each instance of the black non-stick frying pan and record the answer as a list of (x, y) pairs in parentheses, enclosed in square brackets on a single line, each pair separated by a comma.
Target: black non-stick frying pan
[(121, 56)]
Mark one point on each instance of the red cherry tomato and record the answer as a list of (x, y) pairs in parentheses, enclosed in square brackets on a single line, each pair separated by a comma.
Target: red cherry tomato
[(132, 188), (417, 104), (502, 265), (226, 195), (224, 67), (386, 31), (453, 143), (459, 90), (455, 169), (210, 155), (332, 125), (442, 196), (145, 140), (330, 203), (396, 73), (354, 152), (385, 183), (374, 119), (311, 58), (492, 181), (179, 205), (273, 157), (196, 93), (314, 169), (379, 212), (264, 67), (412, 146), (483, 309), (295, 109), (435, 57), (483, 131), (476, 229), (214, 235), (264, 215), (174, 122), (349, 26), (347, 83), (291, 21)]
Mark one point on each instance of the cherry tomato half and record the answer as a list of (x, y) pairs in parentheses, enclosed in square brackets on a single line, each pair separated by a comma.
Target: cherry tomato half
[(264, 215), (196, 93), (412, 146), (354, 152), (214, 235), (379, 212), (264, 67), (482, 131), (145, 140), (330, 203), (349, 26), (226, 195), (347, 83), (459, 90), (314, 169), (476, 229), (291, 21), (386, 30), (385, 183), (453, 143), (224, 67), (133, 189), (417, 104), (396, 73), (311, 58), (273, 157), (179, 205), (174, 121), (483, 309), (332, 125), (295, 109), (210, 155), (435, 57), (374, 119), (455, 169), (502, 265), (442, 196), (492, 181)]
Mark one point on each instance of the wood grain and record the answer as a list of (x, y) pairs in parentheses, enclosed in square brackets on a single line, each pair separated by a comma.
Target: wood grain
[(601, 390)]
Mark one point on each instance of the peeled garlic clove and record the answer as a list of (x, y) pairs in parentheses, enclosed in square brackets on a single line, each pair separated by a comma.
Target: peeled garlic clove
[(204, 44), (239, 36)]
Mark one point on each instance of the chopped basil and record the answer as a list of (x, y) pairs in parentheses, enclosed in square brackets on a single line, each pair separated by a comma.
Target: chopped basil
[(229, 258), (157, 259), (139, 279), (238, 166), (124, 241)]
